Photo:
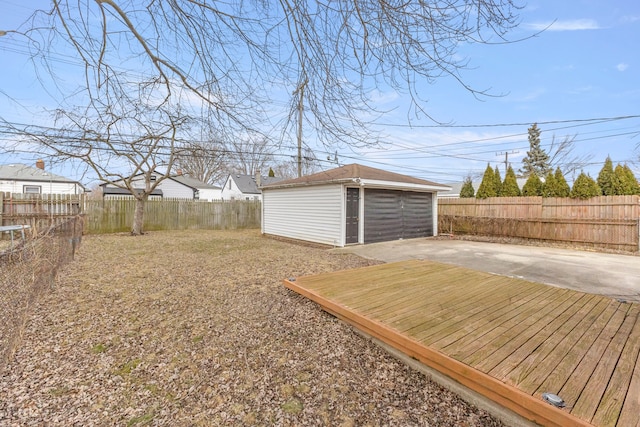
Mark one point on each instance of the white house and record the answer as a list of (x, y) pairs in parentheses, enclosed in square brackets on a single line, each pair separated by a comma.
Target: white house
[(177, 186), (205, 192), (23, 179), (351, 204), (245, 187)]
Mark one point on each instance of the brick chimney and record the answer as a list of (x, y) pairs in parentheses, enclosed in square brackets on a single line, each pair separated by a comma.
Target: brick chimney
[(258, 178), (40, 164)]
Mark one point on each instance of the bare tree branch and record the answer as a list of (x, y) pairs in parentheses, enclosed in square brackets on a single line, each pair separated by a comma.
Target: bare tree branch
[(149, 69)]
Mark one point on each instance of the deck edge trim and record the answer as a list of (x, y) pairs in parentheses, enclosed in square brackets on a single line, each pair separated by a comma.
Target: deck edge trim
[(508, 396)]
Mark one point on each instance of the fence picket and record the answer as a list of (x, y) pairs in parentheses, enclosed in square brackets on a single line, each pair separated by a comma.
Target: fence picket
[(605, 221), (116, 215)]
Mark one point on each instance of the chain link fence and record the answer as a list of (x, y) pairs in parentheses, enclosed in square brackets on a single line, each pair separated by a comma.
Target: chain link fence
[(27, 269)]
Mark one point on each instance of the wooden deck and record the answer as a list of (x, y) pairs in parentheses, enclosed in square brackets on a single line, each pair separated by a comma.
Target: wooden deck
[(508, 339)]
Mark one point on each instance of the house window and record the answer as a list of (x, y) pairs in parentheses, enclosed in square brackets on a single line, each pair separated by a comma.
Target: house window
[(152, 178), (229, 184), (32, 189)]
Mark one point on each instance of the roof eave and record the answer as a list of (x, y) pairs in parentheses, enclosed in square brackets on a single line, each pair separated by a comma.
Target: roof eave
[(309, 184), (405, 185), (363, 183)]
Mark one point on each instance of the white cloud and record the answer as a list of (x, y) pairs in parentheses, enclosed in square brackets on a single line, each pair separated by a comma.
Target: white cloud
[(531, 95), (630, 18), (622, 66), (567, 25), (580, 90), (378, 97)]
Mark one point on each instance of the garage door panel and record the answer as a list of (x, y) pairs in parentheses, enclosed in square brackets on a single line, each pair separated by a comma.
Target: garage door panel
[(393, 214), (417, 215), (382, 216)]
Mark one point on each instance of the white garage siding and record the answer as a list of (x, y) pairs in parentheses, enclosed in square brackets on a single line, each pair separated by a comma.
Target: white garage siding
[(40, 187), (311, 213)]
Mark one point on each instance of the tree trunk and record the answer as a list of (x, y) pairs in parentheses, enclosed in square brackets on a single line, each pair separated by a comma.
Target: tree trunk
[(138, 217)]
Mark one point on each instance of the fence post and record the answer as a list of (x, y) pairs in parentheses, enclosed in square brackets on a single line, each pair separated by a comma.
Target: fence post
[(1, 208)]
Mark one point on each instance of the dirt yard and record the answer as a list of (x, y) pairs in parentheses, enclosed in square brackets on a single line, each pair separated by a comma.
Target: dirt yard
[(195, 328)]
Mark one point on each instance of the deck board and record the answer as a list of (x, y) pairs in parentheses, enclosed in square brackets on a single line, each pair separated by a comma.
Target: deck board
[(569, 378), (545, 358), (507, 338)]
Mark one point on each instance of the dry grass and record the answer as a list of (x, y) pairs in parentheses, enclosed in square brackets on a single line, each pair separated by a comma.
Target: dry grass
[(195, 328)]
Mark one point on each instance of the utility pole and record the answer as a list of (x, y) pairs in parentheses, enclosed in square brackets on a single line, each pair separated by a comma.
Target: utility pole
[(506, 159), (300, 91)]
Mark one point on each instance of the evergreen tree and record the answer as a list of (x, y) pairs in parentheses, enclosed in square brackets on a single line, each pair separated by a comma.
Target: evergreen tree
[(272, 174), (497, 181), (467, 188), (533, 186), (537, 160), (635, 185), (549, 186), (618, 182), (562, 188), (510, 185), (605, 178), (487, 187), (585, 187), (623, 182)]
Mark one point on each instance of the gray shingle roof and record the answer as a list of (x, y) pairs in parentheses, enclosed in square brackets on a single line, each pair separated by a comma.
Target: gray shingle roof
[(247, 183), (354, 171), (20, 172), (193, 183)]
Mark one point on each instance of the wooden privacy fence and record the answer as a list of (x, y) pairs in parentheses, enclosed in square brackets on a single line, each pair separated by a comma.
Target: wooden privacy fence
[(39, 211), (116, 215), (608, 221)]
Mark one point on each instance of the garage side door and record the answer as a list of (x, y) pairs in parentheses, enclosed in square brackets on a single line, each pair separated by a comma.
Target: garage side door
[(393, 215)]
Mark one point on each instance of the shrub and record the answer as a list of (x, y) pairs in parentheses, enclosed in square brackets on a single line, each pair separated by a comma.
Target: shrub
[(497, 181), (562, 188), (510, 185), (605, 178), (487, 187), (467, 188), (585, 187), (549, 186), (533, 186)]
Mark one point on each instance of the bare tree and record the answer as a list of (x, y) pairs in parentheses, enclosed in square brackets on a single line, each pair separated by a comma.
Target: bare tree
[(240, 58), (204, 155), (124, 141), (309, 164), (249, 155), (562, 156), (204, 160)]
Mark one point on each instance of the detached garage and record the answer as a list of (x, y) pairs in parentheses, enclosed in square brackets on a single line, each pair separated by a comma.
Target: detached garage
[(349, 205)]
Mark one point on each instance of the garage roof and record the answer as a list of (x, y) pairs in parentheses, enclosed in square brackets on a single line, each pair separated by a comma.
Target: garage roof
[(361, 175)]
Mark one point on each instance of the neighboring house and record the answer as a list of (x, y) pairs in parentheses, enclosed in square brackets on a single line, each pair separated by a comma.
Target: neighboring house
[(246, 187), (176, 186), (457, 186), (23, 179), (351, 204), (206, 192)]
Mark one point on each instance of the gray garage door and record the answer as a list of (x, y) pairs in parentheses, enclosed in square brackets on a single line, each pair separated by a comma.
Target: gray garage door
[(393, 215)]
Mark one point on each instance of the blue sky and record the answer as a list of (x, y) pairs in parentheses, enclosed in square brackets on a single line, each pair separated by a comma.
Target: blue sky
[(584, 65)]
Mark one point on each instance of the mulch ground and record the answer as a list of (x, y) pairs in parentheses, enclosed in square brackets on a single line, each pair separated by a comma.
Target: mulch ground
[(194, 328)]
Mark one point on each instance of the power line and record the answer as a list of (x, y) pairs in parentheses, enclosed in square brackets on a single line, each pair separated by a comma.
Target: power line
[(488, 125)]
